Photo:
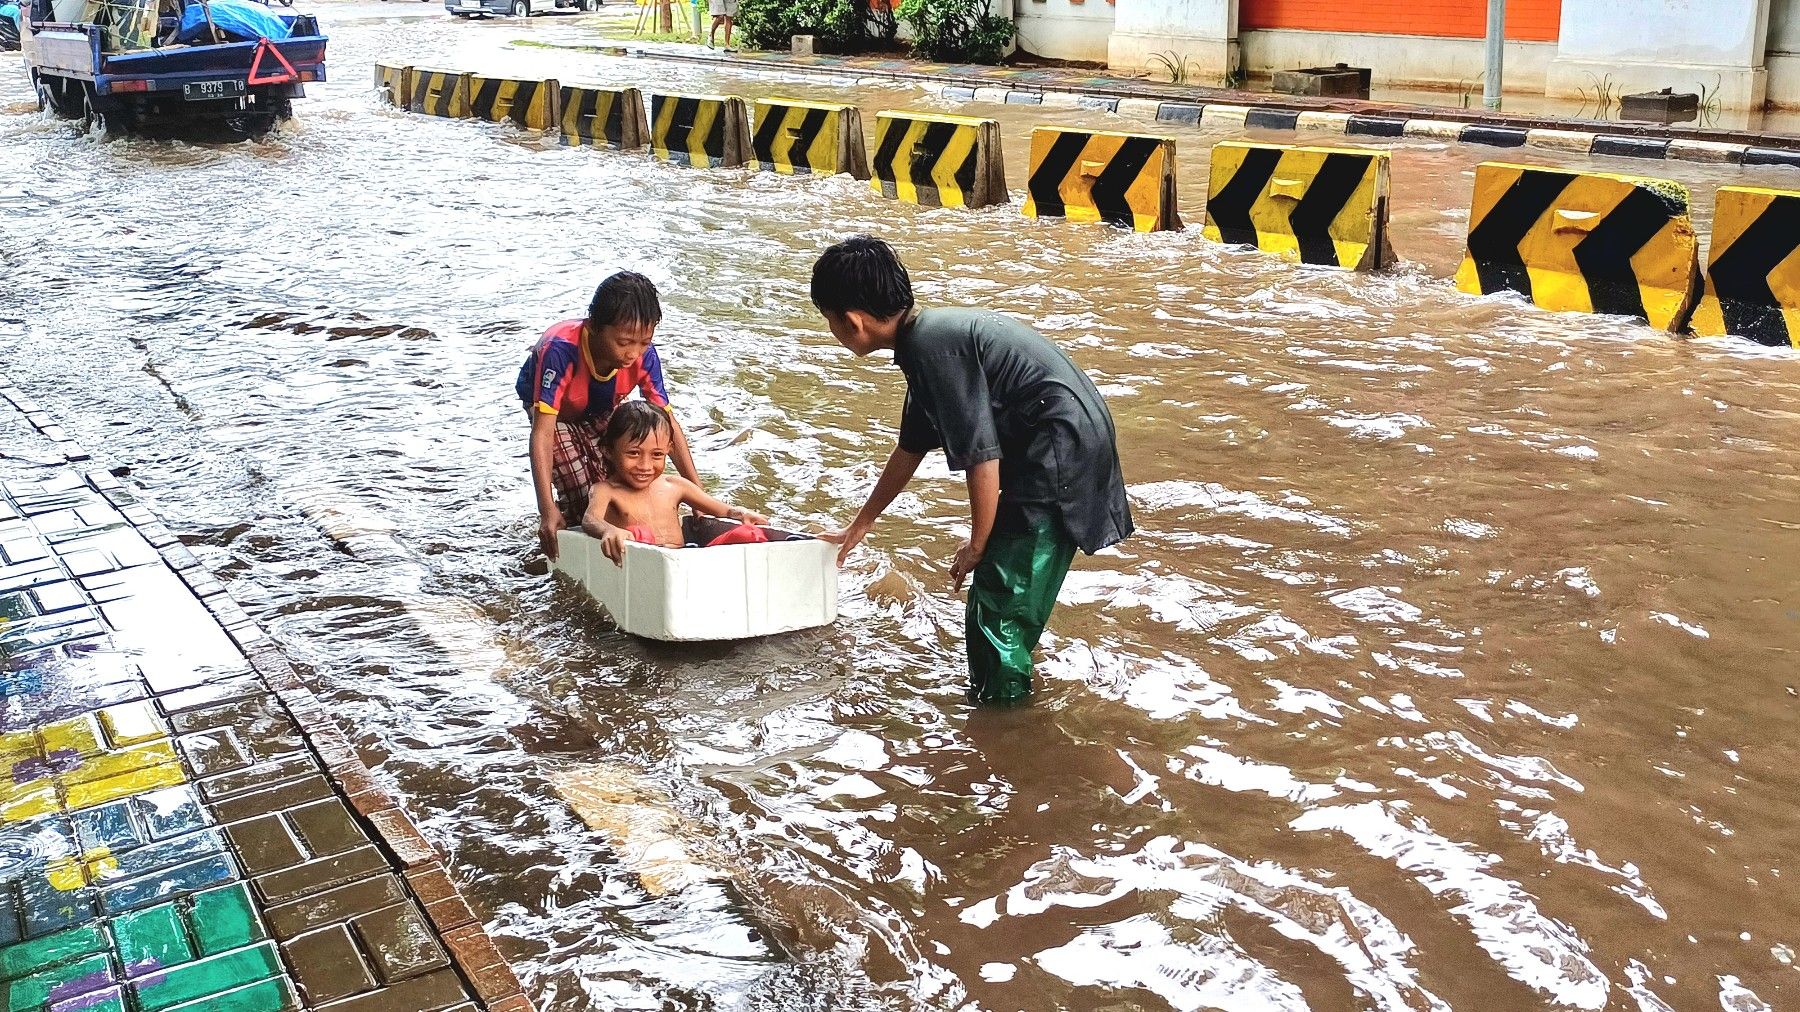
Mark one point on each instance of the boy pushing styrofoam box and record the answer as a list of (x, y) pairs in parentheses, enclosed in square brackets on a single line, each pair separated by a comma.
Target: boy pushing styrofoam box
[(723, 592)]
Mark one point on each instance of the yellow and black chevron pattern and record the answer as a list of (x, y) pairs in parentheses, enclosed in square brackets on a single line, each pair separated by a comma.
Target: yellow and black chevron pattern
[(704, 131), (438, 93), (1121, 179), (530, 104), (1314, 205), (603, 118), (820, 138), (1753, 270), (390, 83), (938, 161), (1584, 242)]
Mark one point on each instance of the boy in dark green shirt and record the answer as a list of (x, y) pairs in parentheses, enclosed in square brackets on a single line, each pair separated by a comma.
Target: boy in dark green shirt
[(1013, 413)]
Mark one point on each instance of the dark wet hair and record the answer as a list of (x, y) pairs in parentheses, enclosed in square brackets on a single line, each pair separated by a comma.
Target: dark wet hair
[(864, 273), (634, 421), (626, 297)]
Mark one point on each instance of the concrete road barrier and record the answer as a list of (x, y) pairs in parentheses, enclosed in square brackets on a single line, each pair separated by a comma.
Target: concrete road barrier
[(704, 131), (1121, 179), (820, 138), (939, 161), (391, 83), (1315, 205), (438, 93), (603, 117), (531, 104), (1584, 242), (1752, 272)]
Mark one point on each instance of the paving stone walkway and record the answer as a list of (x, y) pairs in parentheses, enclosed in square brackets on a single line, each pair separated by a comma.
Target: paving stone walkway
[(182, 826)]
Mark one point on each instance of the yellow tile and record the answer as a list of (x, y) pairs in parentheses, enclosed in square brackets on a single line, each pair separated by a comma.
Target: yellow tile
[(27, 801), (99, 792), (15, 747), (131, 724), (77, 734), (64, 873), (113, 764), (101, 865)]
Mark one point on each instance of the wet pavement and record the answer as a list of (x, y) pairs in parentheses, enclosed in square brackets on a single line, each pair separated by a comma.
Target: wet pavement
[(182, 829), (1453, 664)]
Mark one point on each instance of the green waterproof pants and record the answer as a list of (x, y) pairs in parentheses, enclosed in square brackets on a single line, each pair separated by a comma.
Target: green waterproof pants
[(1010, 599)]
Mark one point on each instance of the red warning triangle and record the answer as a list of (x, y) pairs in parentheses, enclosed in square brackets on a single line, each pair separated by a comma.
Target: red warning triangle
[(286, 75)]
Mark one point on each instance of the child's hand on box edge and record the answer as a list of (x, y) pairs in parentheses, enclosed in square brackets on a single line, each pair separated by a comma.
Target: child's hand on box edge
[(612, 545)]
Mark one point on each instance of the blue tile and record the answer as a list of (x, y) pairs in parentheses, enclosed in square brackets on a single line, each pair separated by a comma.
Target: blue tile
[(156, 857), (1271, 119), (179, 880), (48, 908), (25, 846), (171, 811), (9, 917), (1179, 112), (110, 826)]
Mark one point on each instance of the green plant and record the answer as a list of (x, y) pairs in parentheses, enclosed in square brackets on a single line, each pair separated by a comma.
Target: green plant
[(772, 24), (1465, 88), (1175, 65), (1710, 104), (957, 31), (1604, 96)]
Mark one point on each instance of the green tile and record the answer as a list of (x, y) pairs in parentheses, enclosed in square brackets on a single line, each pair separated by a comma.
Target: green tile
[(27, 958), (114, 1001), (210, 976), (28, 994), (151, 939), (272, 995), (224, 919)]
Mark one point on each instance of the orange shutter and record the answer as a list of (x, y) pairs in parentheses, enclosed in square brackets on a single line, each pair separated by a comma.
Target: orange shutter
[(1526, 20)]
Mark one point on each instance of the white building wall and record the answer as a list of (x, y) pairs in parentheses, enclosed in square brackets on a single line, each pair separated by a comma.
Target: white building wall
[(1398, 61), (1201, 32), (1782, 58), (1063, 30), (1645, 45)]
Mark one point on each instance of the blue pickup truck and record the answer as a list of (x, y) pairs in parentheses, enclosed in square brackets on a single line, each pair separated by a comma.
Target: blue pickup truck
[(140, 79)]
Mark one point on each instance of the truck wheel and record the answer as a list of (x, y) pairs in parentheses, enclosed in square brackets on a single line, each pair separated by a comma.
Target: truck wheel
[(521, 8), (93, 118)]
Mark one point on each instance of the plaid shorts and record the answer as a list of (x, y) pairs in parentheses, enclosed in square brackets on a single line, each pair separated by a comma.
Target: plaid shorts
[(577, 464)]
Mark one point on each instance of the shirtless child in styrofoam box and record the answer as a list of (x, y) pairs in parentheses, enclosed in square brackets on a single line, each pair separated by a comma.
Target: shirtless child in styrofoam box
[(636, 501)]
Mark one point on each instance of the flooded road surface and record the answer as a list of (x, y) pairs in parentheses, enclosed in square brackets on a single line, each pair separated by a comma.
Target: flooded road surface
[(1454, 664)]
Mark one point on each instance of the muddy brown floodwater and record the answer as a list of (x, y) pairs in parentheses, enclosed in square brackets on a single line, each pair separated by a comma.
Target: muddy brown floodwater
[(1453, 664)]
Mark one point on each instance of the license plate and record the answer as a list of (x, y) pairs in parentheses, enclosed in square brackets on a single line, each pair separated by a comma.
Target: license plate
[(206, 91)]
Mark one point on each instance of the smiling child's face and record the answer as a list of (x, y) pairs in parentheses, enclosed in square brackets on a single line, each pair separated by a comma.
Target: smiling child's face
[(639, 464)]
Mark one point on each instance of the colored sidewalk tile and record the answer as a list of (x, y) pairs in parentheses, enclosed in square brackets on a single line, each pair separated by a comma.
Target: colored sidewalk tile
[(57, 984), (210, 976), (151, 940), (224, 919), (27, 958), (272, 995)]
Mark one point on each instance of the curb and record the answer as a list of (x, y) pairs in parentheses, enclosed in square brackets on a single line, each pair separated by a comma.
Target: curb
[(1367, 119), (409, 854)]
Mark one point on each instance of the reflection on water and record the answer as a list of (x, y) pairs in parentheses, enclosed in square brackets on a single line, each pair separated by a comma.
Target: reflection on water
[(1453, 664)]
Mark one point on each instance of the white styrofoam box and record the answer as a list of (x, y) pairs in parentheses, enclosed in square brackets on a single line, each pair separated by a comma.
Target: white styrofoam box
[(731, 592)]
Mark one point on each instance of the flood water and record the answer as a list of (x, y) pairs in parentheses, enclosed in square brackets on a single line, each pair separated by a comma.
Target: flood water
[(1456, 662)]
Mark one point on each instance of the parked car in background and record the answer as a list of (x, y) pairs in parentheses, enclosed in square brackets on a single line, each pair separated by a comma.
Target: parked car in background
[(516, 8)]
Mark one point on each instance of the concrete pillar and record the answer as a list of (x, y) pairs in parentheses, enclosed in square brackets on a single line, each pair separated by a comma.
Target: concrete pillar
[(1647, 45), (1204, 33)]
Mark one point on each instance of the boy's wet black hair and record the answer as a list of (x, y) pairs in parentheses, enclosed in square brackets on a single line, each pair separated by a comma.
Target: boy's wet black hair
[(633, 421), (626, 297), (864, 273)]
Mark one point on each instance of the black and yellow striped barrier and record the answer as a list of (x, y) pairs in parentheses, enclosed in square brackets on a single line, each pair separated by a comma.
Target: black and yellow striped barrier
[(530, 104), (1325, 206), (603, 118), (704, 131), (938, 161), (1584, 242), (1121, 179), (820, 138), (438, 93), (391, 83), (1752, 272)]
